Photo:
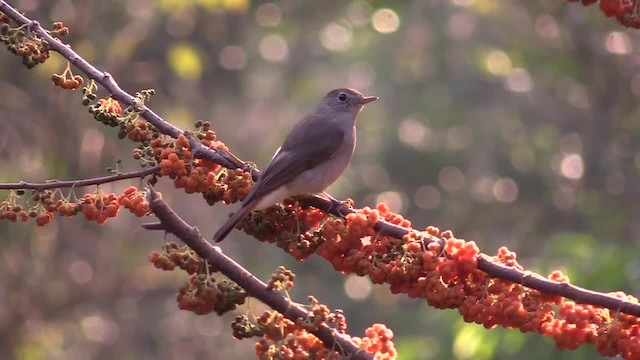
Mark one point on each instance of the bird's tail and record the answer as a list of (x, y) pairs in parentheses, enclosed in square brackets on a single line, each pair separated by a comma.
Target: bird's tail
[(226, 228)]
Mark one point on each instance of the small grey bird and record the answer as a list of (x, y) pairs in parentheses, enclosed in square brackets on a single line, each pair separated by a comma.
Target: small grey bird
[(314, 154)]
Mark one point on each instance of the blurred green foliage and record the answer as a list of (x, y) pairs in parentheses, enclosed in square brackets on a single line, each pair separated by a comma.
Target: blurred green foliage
[(511, 123)]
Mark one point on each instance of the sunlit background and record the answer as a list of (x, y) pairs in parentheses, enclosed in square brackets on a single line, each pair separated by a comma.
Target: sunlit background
[(513, 123)]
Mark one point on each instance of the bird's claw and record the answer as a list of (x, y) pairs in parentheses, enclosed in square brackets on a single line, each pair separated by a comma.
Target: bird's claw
[(341, 207)]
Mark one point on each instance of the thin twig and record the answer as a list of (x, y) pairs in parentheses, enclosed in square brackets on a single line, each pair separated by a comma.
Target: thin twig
[(57, 184)]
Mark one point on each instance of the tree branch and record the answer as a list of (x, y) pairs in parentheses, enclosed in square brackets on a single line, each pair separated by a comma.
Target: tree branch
[(56, 184), (173, 224)]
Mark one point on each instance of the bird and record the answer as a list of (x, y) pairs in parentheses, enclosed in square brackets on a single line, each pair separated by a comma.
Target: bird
[(313, 155)]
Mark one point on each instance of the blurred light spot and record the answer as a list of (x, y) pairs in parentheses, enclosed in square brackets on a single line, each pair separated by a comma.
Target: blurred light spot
[(98, 329), (185, 61), (81, 271), (237, 6), (336, 37), (357, 288), (519, 81), (385, 21), (522, 159), (461, 25), (361, 75), (268, 14), (482, 189), (451, 178), (577, 96), (618, 43), (547, 27), (374, 176), (427, 197), (274, 48), (564, 198), (458, 138), (615, 183), (233, 57), (359, 12), (498, 63), (505, 190), (571, 144), (572, 166), (412, 132), (393, 199), (140, 10), (465, 3)]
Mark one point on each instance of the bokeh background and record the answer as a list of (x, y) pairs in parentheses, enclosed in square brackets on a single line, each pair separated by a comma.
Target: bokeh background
[(513, 123)]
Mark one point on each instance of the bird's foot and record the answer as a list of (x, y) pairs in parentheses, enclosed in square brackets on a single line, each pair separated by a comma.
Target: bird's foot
[(341, 207)]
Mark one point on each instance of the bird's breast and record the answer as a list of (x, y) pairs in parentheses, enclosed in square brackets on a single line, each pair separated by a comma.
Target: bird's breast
[(317, 179)]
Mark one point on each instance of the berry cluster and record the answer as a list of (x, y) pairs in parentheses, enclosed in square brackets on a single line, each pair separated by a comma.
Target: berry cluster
[(295, 229), (106, 111), (282, 280), (27, 44), (202, 293), (627, 12), (199, 175), (14, 213), (72, 83), (135, 201), (282, 338), (99, 207), (174, 255), (442, 269)]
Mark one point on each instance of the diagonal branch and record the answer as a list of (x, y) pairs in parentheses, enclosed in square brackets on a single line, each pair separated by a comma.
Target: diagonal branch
[(173, 224)]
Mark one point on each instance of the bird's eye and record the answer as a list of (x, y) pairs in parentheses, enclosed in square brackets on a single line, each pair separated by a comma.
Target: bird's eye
[(342, 97)]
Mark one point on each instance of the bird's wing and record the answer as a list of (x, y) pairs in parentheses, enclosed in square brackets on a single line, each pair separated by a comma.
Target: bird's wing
[(299, 152)]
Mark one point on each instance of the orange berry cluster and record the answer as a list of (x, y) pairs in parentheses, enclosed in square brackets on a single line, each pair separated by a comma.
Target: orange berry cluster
[(442, 269), (62, 81), (200, 175), (100, 207), (96, 207), (202, 293), (292, 228), (13, 213), (33, 49), (107, 111), (43, 209), (283, 279), (377, 341), (174, 255), (282, 338), (135, 201), (625, 11)]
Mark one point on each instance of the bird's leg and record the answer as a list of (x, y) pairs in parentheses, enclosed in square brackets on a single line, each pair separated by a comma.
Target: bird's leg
[(337, 204)]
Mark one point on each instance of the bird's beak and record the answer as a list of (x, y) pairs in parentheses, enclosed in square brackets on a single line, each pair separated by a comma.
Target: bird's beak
[(367, 99)]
